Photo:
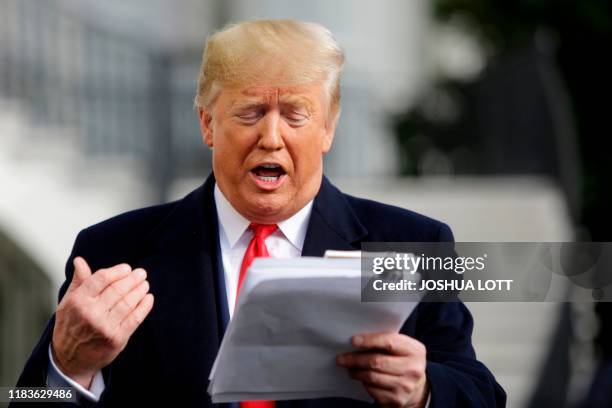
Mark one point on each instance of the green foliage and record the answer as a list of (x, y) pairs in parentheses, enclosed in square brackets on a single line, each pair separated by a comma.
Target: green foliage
[(509, 24)]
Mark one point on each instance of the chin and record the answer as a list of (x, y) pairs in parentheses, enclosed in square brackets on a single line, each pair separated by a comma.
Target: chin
[(268, 207)]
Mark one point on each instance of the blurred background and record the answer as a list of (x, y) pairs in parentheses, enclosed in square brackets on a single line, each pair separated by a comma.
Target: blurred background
[(489, 115)]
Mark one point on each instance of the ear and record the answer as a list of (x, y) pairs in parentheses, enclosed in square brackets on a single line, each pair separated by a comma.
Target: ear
[(205, 115), (330, 131)]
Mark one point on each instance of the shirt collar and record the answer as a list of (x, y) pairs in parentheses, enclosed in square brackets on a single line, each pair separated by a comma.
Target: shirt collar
[(234, 224)]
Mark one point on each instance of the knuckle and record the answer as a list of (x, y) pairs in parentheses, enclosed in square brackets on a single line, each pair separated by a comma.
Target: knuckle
[(394, 399), (370, 376), (131, 321), (97, 278), (117, 287), (407, 386), (138, 318), (412, 372), (100, 328), (108, 333), (130, 324), (105, 276), (94, 283), (100, 331), (99, 325), (415, 370), (377, 363), (77, 298), (69, 302), (420, 349), (115, 290), (89, 315), (397, 400), (116, 341), (131, 279), (347, 360), (124, 304)]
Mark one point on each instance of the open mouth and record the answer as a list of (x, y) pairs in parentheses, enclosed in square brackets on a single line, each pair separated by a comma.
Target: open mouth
[(269, 173)]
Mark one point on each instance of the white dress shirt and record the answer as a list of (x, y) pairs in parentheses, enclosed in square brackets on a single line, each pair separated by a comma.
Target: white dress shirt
[(55, 378), (286, 242)]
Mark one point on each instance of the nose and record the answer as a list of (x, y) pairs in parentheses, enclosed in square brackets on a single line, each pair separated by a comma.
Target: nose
[(270, 134)]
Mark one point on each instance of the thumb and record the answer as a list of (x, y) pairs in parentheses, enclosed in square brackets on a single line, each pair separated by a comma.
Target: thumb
[(82, 271)]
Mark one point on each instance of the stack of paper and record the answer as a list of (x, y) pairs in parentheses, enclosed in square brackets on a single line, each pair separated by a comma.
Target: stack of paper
[(294, 316)]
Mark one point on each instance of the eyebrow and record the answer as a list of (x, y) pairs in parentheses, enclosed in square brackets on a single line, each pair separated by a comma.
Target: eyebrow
[(248, 105), (297, 101), (292, 100)]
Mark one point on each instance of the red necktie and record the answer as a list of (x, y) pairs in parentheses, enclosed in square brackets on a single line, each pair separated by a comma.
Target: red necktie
[(257, 248)]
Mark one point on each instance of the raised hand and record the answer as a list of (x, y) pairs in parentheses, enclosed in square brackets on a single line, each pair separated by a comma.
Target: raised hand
[(97, 316)]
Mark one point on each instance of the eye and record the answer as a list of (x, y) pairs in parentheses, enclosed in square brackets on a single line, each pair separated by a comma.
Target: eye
[(250, 116), (296, 118)]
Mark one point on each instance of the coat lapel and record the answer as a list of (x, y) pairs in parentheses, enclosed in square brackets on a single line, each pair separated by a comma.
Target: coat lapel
[(333, 224), (186, 320), (190, 311)]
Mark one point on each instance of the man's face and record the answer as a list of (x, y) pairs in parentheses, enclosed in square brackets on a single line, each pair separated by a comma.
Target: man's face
[(268, 145)]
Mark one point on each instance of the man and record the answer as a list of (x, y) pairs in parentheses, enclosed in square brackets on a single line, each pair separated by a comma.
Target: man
[(146, 326)]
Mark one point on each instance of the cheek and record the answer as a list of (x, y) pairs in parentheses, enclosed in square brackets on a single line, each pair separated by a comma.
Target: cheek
[(306, 153), (232, 145)]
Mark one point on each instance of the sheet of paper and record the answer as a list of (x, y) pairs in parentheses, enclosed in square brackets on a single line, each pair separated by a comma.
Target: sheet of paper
[(330, 253), (293, 318)]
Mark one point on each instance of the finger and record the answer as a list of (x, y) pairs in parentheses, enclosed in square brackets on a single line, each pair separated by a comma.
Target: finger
[(375, 379), (385, 397), (128, 303), (393, 343), (383, 363), (96, 283), (134, 319), (82, 271), (114, 292)]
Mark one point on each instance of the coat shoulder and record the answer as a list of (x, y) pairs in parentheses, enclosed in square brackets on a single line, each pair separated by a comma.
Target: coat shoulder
[(122, 238), (386, 222), (134, 223)]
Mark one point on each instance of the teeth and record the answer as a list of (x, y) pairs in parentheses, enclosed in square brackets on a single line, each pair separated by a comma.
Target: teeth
[(270, 166), (268, 179)]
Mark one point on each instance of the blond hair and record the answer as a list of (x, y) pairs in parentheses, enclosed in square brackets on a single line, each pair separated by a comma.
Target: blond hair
[(282, 52)]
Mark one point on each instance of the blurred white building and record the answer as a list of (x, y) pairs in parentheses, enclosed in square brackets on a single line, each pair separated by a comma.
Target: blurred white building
[(96, 119)]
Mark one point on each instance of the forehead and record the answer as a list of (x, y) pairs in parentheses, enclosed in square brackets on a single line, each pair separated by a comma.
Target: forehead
[(309, 94)]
